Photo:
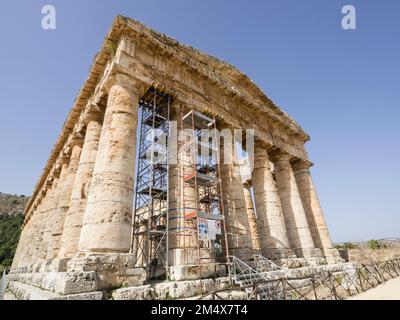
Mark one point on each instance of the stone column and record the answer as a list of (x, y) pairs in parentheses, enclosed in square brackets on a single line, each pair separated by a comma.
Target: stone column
[(27, 247), (56, 220), (74, 217), (108, 216), (65, 197), (38, 229), (52, 203), (312, 207), (273, 236), (297, 227), (183, 238), (255, 235), (236, 219)]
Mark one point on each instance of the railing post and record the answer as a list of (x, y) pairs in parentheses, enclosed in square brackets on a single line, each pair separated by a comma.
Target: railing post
[(314, 289)]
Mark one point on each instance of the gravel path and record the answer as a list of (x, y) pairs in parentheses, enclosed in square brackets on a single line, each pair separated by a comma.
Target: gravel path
[(387, 291)]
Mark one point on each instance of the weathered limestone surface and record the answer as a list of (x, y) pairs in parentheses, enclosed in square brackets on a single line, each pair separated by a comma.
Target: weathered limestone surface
[(312, 207), (108, 216), (54, 215), (192, 272), (171, 290), (182, 201), (48, 223), (273, 236), (251, 215), (74, 216), (36, 232), (297, 227), (236, 218), (30, 289), (65, 198), (112, 270)]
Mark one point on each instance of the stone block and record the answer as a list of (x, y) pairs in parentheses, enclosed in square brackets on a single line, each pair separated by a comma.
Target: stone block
[(192, 272), (65, 282), (133, 293), (113, 270)]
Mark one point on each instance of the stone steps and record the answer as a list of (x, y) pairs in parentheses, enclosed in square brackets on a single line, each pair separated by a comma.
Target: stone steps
[(63, 283), (22, 291), (171, 290), (293, 263)]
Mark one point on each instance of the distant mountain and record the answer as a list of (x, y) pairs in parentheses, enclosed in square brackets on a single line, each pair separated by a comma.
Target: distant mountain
[(12, 205)]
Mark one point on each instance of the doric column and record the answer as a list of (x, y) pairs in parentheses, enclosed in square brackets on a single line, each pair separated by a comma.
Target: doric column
[(273, 236), (65, 198), (20, 257), (74, 217), (312, 207), (297, 227), (39, 227), (27, 248), (236, 219), (255, 236), (54, 217), (183, 238), (52, 203), (108, 216)]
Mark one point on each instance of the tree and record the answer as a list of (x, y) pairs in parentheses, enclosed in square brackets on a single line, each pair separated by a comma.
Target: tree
[(10, 230)]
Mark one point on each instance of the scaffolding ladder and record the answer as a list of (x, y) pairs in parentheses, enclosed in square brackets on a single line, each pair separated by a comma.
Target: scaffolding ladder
[(202, 203), (149, 241)]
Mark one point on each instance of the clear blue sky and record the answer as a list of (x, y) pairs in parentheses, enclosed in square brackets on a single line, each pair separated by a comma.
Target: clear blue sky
[(342, 86)]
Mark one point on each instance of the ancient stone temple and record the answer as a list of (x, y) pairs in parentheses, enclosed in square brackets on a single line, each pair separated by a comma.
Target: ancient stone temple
[(104, 215)]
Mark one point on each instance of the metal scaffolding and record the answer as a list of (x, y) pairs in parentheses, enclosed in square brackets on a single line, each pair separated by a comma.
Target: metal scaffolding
[(150, 215), (202, 201), (198, 214)]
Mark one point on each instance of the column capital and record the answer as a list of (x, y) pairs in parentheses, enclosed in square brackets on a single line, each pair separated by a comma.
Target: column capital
[(76, 140), (63, 159), (94, 113), (279, 156), (126, 81), (300, 165), (49, 182), (55, 170), (260, 148), (260, 144)]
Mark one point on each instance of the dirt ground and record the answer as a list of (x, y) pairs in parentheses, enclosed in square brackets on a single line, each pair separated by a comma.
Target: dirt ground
[(387, 291)]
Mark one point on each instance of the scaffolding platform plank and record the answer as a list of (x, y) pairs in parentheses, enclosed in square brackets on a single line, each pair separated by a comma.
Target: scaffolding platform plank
[(200, 120), (208, 216), (155, 193), (202, 179), (206, 199)]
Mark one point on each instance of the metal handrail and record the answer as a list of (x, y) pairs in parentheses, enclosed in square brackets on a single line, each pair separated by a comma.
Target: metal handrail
[(336, 285), (254, 281), (265, 265)]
